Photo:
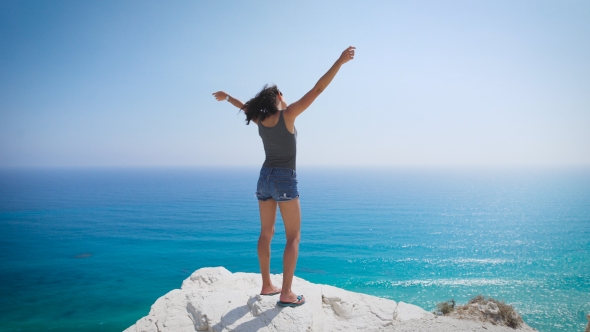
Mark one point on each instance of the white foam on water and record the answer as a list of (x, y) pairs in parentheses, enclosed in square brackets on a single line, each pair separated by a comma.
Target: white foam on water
[(460, 282)]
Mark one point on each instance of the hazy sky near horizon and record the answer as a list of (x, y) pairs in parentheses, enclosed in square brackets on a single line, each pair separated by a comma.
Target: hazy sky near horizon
[(453, 83)]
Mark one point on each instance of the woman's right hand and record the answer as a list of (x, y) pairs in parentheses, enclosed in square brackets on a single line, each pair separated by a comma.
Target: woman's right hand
[(220, 95), (347, 55)]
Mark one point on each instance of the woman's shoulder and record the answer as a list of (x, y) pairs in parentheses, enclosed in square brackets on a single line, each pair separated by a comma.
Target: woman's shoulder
[(288, 113)]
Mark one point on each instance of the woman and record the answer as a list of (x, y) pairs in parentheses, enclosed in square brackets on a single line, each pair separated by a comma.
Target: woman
[(277, 184)]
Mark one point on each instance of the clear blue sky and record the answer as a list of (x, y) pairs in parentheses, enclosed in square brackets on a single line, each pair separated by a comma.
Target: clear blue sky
[(434, 83)]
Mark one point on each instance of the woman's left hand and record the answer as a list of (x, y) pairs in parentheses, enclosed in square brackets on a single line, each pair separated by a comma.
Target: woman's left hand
[(347, 55), (220, 95)]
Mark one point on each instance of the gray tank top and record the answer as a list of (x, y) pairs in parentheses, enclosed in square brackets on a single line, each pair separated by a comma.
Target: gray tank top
[(280, 146)]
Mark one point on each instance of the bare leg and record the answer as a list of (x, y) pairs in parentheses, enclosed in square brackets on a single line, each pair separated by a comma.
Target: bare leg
[(291, 213), (268, 216)]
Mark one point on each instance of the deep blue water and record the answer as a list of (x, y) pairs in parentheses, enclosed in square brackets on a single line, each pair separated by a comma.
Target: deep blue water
[(93, 249)]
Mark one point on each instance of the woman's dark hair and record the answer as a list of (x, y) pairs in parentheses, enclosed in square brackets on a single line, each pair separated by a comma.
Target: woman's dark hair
[(263, 105)]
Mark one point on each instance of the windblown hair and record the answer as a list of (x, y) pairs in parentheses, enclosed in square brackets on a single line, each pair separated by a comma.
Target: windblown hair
[(263, 105)]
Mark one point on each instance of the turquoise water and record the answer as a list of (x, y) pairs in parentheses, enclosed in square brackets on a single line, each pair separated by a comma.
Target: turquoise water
[(93, 249)]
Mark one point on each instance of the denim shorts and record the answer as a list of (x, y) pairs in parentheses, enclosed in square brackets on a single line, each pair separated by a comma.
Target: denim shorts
[(277, 183)]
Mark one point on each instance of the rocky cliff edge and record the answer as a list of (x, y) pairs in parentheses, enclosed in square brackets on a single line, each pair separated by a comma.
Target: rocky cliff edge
[(215, 300)]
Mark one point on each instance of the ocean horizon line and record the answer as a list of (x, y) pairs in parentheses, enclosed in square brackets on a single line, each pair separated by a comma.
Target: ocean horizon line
[(314, 167)]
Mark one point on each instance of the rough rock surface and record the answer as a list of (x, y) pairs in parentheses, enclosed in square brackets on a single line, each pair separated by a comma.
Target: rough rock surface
[(488, 310), (214, 299), (588, 326)]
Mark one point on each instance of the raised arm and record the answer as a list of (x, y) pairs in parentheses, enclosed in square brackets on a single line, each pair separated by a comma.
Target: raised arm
[(222, 95), (302, 104)]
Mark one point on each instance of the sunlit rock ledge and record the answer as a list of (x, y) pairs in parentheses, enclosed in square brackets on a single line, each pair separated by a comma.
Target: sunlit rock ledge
[(214, 299)]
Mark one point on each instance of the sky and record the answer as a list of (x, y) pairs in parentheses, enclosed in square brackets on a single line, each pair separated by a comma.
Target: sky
[(433, 83)]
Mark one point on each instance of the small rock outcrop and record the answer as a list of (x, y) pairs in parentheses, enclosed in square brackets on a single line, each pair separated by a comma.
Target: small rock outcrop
[(588, 326), (215, 300), (489, 310)]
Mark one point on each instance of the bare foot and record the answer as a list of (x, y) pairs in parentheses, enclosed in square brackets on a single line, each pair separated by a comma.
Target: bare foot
[(266, 290)]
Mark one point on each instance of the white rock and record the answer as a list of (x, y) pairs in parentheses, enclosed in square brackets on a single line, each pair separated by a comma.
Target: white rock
[(405, 311), (215, 300)]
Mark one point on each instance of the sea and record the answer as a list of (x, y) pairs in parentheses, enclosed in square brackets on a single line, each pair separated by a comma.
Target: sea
[(92, 249)]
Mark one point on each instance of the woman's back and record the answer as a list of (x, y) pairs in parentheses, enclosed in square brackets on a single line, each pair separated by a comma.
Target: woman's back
[(280, 145)]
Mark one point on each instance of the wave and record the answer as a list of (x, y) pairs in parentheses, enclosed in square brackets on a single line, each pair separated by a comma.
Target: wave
[(456, 282), (434, 261)]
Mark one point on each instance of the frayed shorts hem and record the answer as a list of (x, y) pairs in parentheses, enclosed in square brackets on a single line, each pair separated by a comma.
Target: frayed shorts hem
[(279, 201)]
